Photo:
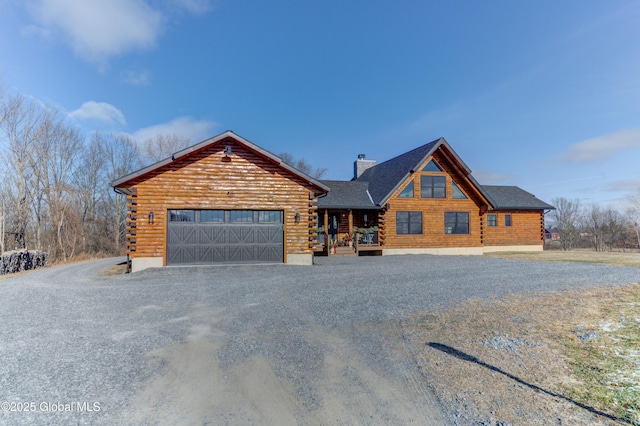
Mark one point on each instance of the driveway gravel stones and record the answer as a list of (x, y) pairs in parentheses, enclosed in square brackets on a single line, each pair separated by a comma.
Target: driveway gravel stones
[(249, 344)]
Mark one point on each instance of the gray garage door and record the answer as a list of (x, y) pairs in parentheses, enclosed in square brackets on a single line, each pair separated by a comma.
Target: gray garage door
[(224, 236)]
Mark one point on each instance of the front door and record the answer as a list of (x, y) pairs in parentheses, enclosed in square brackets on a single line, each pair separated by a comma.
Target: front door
[(334, 223)]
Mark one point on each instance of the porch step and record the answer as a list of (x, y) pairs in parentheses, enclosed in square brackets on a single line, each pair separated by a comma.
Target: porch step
[(343, 251)]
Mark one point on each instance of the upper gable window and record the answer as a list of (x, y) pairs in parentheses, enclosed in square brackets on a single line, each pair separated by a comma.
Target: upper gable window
[(456, 192), (432, 166), (433, 187), (407, 192)]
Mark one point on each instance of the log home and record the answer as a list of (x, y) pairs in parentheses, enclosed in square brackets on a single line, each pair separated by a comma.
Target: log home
[(427, 201), (226, 200)]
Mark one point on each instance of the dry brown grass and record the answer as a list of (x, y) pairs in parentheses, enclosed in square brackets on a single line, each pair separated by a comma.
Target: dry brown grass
[(119, 269), (587, 256), (512, 360)]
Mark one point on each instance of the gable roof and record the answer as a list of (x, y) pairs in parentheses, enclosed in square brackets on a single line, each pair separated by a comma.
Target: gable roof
[(346, 195), (120, 182), (385, 178), (514, 198)]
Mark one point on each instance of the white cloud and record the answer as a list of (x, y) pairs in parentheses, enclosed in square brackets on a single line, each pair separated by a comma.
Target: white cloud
[(99, 29), (100, 111), (595, 149), (186, 127)]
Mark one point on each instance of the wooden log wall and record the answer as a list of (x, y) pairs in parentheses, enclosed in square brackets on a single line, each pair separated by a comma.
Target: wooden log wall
[(203, 180), (527, 228), (130, 225), (433, 210)]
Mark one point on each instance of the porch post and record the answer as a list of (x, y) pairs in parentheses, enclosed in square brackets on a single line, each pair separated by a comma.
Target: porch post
[(350, 221), (326, 229)]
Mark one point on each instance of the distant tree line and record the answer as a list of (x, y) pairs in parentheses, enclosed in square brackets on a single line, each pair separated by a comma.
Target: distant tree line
[(596, 227), (55, 193)]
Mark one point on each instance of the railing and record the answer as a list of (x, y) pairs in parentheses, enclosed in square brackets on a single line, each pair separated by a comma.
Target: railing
[(366, 242), (370, 239)]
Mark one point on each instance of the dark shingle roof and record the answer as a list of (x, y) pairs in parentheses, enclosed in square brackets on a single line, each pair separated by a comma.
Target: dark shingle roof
[(385, 177), (346, 195), (514, 198)]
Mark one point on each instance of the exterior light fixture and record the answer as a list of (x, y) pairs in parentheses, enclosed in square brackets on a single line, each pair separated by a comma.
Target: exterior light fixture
[(297, 217), (227, 151), (150, 218)]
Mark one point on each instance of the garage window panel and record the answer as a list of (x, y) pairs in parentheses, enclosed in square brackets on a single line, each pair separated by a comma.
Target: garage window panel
[(270, 217), (212, 216), (182, 215), (241, 216)]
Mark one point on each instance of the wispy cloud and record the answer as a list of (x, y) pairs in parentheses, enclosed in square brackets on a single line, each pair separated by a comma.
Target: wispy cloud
[(139, 77), (186, 127), (100, 111), (489, 178), (625, 185), (196, 7), (595, 149), (97, 29), (35, 30)]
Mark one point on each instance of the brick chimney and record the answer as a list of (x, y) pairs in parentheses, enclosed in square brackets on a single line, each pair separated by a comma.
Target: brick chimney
[(361, 164)]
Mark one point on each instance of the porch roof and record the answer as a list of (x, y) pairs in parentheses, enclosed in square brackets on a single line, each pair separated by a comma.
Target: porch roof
[(346, 195)]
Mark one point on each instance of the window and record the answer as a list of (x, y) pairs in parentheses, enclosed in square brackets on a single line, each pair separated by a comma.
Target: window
[(407, 192), (456, 223), (241, 216), (432, 166), (182, 215), (456, 192), (212, 216), (507, 219), (492, 220), (408, 223), (269, 217), (433, 187)]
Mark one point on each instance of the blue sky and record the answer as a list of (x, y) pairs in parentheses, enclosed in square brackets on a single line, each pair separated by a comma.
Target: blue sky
[(544, 95)]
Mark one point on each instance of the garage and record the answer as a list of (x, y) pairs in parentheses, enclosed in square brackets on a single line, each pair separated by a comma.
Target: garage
[(224, 236), (224, 200)]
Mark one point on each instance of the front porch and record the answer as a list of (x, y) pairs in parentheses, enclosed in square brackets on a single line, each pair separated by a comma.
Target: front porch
[(348, 232)]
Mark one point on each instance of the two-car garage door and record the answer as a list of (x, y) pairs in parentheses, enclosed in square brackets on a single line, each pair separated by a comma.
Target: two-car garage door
[(224, 236)]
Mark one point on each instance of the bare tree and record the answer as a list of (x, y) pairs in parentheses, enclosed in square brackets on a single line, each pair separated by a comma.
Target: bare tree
[(121, 157), (20, 126), (634, 213), (606, 227), (90, 179), (161, 147), (302, 165), (58, 149), (566, 218)]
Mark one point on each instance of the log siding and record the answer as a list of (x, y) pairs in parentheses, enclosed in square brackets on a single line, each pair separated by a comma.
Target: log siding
[(433, 210), (527, 228), (202, 180)]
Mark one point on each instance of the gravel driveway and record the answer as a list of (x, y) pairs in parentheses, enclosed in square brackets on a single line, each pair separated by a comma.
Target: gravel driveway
[(254, 344)]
